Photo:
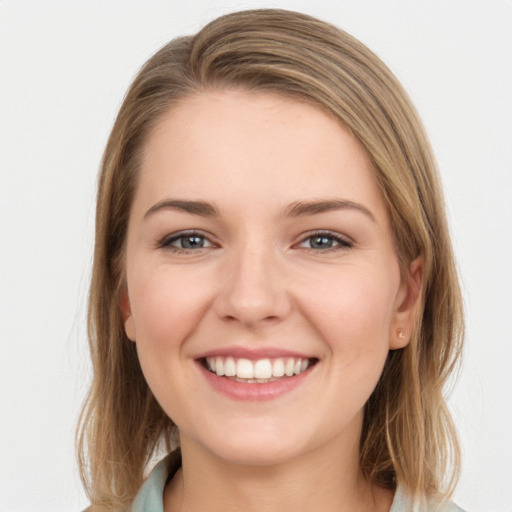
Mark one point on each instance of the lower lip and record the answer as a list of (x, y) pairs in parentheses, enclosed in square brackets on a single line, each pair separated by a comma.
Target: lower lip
[(254, 391)]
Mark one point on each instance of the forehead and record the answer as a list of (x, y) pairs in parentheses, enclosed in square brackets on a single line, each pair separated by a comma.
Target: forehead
[(244, 147)]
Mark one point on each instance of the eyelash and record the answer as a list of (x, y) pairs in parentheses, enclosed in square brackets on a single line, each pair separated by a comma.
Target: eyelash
[(342, 242), (166, 242)]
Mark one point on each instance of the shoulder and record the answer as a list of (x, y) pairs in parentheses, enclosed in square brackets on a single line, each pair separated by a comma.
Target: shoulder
[(402, 503)]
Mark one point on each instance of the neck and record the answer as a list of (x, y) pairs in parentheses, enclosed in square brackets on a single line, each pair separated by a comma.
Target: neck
[(313, 481)]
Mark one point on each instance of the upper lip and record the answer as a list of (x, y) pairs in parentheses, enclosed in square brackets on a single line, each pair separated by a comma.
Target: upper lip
[(253, 353)]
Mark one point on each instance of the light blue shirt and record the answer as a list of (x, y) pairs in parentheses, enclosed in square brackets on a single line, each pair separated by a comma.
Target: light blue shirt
[(150, 496)]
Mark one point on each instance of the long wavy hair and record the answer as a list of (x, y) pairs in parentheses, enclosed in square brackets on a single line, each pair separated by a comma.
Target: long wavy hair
[(408, 437)]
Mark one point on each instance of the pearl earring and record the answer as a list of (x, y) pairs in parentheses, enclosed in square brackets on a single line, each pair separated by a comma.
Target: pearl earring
[(401, 334)]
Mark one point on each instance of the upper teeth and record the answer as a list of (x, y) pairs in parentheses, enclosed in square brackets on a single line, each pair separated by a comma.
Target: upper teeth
[(259, 369)]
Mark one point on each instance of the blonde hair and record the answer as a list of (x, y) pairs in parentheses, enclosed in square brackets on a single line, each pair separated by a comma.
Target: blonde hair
[(408, 435)]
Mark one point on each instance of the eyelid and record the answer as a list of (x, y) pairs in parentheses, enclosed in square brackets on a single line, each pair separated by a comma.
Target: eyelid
[(166, 241), (344, 242)]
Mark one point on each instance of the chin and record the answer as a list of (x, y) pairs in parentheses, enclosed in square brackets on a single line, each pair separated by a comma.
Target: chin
[(270, 454), (256, 445)]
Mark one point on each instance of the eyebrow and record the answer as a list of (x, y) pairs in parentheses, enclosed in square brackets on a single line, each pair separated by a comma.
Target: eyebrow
[(296, 209), (304, 208), (200, 208)]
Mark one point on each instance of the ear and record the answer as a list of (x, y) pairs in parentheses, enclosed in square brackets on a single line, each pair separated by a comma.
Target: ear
[(126, 311), (406, 306)]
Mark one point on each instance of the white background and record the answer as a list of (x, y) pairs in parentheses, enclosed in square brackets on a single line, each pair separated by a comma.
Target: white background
[(64, 67)]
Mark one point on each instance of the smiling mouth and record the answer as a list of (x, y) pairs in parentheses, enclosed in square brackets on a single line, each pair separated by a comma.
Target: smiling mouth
[(260, 371)]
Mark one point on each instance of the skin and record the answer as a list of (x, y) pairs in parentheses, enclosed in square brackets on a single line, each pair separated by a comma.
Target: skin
[(260, 281)]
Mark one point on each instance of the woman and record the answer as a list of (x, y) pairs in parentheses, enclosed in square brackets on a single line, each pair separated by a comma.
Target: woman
[(273, 288)]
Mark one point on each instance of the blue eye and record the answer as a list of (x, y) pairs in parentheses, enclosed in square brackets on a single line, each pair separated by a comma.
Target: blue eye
[(325, 241), (186, 242)]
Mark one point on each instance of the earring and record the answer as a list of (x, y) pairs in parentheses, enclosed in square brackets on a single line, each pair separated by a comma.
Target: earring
[(401, 334)]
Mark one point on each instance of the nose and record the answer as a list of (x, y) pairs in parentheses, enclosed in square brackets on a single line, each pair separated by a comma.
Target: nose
[(253, 290)]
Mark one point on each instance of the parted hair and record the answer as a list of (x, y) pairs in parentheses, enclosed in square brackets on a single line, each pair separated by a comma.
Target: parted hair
[(408, 437)]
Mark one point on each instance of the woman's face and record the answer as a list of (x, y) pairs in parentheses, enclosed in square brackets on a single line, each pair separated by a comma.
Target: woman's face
[(259, 246)]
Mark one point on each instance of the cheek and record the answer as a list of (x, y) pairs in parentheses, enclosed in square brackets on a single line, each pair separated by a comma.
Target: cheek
[(353, 310), (166, 307)]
